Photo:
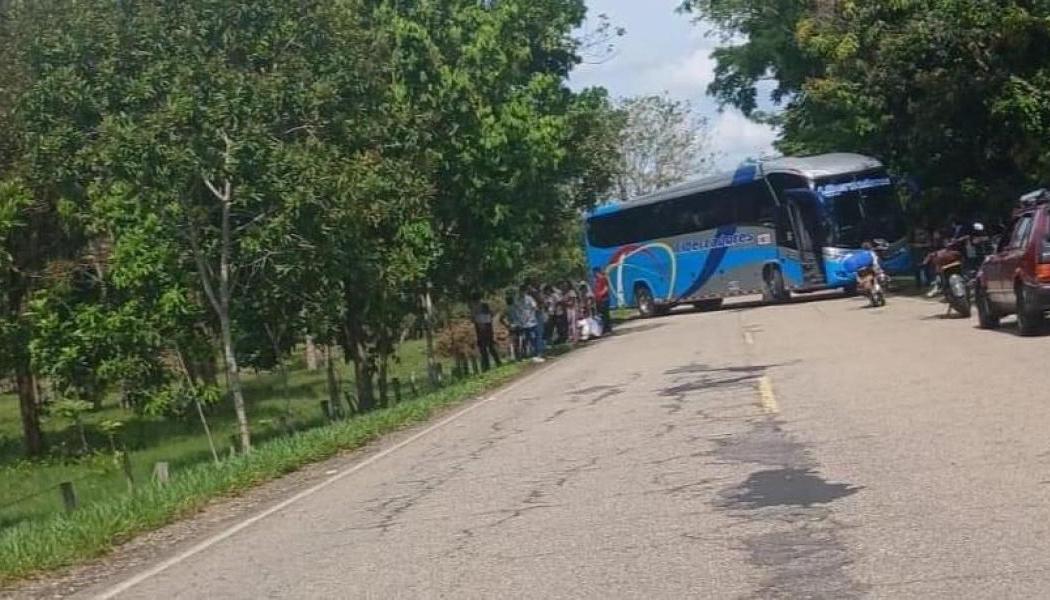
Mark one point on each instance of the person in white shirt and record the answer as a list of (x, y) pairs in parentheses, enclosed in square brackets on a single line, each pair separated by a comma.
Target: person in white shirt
[(525, 310)]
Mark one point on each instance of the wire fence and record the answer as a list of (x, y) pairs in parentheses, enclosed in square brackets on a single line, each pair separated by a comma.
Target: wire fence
[(39, 490)]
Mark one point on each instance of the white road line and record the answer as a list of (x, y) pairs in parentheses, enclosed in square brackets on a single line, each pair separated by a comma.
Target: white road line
[(215, 539), (749, 339), (768, 398)]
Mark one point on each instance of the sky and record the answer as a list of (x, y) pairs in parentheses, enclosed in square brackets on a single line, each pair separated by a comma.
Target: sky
[(664, 51)]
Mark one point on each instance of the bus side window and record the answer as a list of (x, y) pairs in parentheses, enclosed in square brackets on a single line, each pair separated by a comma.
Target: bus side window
[(754, 205)]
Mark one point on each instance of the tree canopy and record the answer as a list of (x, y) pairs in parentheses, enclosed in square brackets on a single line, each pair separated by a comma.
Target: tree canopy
[(949, 92), (661, 143), (190, 179)]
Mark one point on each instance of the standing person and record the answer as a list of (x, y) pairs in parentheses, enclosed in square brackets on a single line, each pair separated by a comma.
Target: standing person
[(602, 298), (543, 319), (571, 301), (559, 331), (585, 312), (526, 307), (509, 318), (485, 333), (921, 245)]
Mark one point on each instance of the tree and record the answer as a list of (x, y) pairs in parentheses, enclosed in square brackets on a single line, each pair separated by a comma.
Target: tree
[(662, 143), (498, 119), (181, 174), (946, 91), (760, 46), (199, 137)]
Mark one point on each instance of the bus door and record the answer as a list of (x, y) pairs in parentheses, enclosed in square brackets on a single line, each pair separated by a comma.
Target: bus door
[(802, 209)]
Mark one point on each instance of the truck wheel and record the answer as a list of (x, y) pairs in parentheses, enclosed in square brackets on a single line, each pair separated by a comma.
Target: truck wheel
[(986, 317), (1030, 320)]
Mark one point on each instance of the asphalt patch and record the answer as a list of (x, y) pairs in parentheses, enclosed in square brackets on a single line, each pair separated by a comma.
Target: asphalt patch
[(788, 487)]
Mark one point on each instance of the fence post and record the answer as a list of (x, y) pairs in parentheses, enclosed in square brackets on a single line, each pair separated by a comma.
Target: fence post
[(439, 371), (69, 495), (412, 384), (160, 473), (474, 365), (397, 389), (125, 464)]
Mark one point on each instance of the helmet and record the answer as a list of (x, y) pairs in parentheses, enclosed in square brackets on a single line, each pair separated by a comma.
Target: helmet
[(978, 228)]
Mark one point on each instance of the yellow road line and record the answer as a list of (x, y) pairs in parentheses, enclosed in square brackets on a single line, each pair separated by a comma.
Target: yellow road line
[(766, 395)]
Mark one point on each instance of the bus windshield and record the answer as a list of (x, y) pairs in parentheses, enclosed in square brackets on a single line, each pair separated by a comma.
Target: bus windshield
[(860, 211)]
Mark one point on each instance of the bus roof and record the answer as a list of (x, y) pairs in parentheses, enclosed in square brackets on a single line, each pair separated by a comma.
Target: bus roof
[(824, 165), (746, 173), (812, 167)]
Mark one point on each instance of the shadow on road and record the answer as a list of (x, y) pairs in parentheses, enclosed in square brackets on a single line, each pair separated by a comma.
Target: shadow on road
[(625, 329), (944, 316), (709, 377)]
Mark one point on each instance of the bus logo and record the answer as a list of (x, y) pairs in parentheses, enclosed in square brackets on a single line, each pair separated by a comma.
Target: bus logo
[(765, 239)]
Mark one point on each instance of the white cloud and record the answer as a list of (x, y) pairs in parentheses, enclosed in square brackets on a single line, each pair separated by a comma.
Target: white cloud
[(737, 138), (664, 52), (687, 77)]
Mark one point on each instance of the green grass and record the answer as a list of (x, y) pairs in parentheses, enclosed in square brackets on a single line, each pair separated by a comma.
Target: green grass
[(62, 539), (29, 490)]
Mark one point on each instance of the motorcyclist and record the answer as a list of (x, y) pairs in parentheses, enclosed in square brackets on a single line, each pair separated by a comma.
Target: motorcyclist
[(978, 247), (865, 266)]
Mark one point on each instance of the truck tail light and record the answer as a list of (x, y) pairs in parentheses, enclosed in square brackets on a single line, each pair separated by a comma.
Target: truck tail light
[(1042, 272)]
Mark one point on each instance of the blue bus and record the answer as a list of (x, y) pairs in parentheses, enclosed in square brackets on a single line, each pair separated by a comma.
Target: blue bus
[(770, 228)]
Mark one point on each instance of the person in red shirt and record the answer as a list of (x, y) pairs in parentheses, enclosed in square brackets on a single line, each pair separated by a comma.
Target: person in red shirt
[(602, 298)]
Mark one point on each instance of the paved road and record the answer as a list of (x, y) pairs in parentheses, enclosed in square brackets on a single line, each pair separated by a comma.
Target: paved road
[(814, 450)]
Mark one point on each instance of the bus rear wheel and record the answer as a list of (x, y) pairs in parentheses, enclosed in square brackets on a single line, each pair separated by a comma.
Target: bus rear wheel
[(644, 299)]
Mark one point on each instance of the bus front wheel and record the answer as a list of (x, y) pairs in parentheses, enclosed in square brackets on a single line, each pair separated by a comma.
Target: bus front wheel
[(774, 291)]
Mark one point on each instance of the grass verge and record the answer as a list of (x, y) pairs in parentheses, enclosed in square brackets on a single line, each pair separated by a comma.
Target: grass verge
[(65, 539)]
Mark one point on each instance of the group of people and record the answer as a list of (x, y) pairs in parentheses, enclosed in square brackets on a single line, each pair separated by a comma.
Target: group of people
[(540, 316)]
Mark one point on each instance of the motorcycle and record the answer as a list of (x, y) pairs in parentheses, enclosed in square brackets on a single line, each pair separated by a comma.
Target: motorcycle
[(957, 284), (871, 284), (957, 275), (872, 281)]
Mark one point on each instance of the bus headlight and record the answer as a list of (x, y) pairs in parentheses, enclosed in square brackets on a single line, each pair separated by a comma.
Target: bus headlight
[(836, 253)]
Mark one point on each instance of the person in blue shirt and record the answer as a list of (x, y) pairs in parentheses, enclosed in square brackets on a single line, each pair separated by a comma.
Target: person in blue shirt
[(865, 259), (865, 267)]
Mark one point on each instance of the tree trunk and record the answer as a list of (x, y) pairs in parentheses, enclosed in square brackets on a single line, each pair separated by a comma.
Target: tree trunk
[(275, 344), (312, 358), (84, 450), (333, 381), (384, 396), (233, 374), (221, 297), (27, 402), (366, 397), (196, 401), (428, 330)]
